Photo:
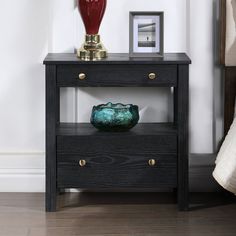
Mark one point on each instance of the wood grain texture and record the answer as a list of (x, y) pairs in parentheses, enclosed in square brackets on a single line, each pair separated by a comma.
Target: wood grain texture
[(108, 171), (81, 129), (117, 58), (117, 144), (52, 118), (116, 75), (117, 159), (181, 118), (120, 214)]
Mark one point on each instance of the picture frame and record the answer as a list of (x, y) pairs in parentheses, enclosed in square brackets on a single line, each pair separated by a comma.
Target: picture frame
[(146, 34)]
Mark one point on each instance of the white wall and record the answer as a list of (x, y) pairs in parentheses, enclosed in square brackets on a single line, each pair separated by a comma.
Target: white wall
[(23, 44), (31, 28), (201, 75)]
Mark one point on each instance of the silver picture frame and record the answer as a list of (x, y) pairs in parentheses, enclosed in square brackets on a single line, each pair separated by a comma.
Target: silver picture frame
[(146, 34)]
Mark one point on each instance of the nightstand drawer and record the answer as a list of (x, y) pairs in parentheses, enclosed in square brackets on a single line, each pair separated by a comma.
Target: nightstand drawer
[(120, 144), (107, 171), (117, 161), (116, 75)]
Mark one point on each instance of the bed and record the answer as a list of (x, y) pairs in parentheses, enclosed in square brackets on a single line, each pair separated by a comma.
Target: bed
[(225, 170)]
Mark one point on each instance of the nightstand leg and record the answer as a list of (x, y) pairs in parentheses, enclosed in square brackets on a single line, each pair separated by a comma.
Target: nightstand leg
[(61, 191), (51, 201), (181, 110), (52, 118)]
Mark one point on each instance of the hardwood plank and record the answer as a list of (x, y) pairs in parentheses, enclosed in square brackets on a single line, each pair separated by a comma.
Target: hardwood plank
[(117, 214), (19, 231)]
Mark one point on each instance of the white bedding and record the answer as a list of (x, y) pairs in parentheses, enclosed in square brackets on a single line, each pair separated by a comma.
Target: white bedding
[(225, 170)]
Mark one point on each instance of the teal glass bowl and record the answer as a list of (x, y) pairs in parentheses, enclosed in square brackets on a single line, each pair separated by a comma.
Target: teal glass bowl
[(114, 117)]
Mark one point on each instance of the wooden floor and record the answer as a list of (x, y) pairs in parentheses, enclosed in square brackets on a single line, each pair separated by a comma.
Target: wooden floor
[(116, 214)]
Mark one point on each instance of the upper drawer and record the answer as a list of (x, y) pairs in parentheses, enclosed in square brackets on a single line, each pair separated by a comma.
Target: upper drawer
[(117, 144), (116, 75)]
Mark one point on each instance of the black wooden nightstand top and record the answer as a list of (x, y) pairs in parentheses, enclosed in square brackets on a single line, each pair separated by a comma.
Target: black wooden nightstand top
[(117, 58)]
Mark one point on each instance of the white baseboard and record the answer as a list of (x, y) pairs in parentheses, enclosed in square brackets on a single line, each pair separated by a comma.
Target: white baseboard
[(25, 172), (22, 172)]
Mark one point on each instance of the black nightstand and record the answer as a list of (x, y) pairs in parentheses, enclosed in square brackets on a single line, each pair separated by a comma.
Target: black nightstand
[(151, 155)]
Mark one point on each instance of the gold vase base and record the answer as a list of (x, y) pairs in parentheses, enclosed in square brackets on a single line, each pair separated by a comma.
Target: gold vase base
[(91, 55), (92, 49)]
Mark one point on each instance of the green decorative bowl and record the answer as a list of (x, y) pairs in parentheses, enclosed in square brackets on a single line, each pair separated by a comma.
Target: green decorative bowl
[(114, 117)]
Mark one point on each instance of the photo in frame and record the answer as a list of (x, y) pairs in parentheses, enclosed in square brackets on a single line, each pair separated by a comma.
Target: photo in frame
[(146, 34)]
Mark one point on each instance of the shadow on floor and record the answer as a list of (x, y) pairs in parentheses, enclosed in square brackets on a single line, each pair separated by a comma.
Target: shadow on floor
[(200, 201), (197, 200)]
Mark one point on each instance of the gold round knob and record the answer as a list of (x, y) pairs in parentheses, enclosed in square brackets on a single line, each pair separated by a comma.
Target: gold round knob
[(82, 76), (152, 76), (152, 162), (82, 163)]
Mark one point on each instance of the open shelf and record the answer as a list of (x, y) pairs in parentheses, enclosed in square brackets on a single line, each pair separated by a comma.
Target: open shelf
[(81, 129)]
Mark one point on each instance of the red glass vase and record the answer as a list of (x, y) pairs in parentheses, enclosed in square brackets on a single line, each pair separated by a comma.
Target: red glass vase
[(92, 12)]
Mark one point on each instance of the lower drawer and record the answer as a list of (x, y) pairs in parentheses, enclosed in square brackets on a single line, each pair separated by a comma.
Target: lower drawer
[(117, 172), (117, 161)]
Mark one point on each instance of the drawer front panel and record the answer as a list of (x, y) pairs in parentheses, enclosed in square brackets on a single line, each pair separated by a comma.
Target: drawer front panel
[(116, 75), (117, 172), (117, 144), (116, 162)]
